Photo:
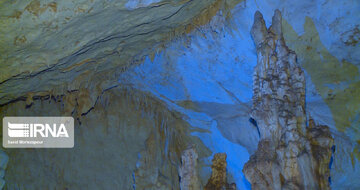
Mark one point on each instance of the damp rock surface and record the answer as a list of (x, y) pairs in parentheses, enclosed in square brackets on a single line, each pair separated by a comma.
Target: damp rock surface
[(133, 142), (290, 154), (197, 58)]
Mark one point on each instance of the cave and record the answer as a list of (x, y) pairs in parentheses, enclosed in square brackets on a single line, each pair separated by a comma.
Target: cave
[(180, 94)]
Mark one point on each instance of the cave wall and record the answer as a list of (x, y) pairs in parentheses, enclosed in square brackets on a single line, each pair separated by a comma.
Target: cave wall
[(128, 140), (196, 57)]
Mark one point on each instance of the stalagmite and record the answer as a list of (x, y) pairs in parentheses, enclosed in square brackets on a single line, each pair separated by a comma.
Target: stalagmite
[(290, 155), (218, 179), (189, 179)]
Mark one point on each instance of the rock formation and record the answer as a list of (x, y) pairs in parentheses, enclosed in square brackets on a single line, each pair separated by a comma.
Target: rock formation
[(290, 154), (188, 172), (144, 79), (218, 180), (189, 179), (322, 148), (148, 139)]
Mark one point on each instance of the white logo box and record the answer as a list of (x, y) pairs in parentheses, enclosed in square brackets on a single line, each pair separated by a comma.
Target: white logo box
[(38, 132)]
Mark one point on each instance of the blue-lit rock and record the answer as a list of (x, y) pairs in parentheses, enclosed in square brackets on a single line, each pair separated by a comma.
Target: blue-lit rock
[(290, 154)]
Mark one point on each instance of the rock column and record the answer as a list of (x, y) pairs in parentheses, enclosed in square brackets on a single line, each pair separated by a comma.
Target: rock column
[(285, 158)]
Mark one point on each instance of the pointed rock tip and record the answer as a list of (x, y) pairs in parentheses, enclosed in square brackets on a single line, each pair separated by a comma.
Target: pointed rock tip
[(277, 14), (258, 15), (258, 30), (276, 23)]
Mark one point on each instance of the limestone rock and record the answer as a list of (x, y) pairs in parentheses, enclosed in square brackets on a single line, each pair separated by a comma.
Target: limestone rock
[(128, 140), (66, 45), (218, 180), (290, 155), (322, 148), (189, 179)]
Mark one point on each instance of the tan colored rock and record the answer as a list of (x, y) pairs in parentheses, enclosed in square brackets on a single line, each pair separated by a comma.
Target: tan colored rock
[(322, 144), (218, 174), (48, 46), (290, 155), (218, 180), (262, 169)]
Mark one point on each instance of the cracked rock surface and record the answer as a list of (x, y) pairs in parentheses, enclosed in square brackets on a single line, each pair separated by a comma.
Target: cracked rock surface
[(197, 57), (290, 154), (54, 47)]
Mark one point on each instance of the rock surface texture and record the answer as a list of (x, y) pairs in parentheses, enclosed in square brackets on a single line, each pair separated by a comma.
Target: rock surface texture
[(290, 154), (218, 179), (189, 179), (148, 138), (144, 79), (67, 42)]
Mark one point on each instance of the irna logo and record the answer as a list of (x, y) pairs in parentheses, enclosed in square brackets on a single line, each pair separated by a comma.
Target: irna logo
[(36, 130)]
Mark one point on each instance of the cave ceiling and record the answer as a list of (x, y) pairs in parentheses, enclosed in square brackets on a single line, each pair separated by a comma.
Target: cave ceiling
[(196, 56)]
